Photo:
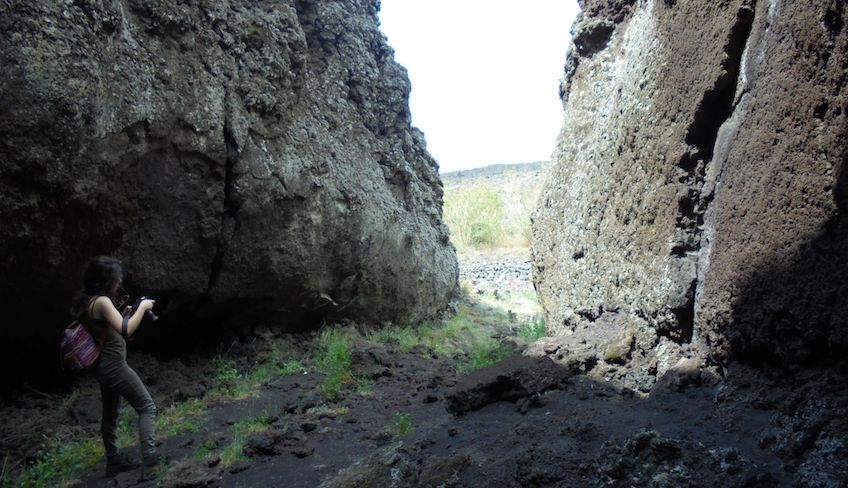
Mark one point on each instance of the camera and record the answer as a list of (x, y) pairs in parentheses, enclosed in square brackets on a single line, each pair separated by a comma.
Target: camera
[(149, 314)]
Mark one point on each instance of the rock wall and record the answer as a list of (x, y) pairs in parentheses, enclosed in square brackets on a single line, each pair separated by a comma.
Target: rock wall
[(240, 157), (698, 190)]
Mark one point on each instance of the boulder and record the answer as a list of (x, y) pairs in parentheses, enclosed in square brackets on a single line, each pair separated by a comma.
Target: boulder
[(699, 180), (512, 379), (245, 160)]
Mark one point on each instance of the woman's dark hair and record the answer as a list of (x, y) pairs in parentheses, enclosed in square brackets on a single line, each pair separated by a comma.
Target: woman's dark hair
[(101, 277)]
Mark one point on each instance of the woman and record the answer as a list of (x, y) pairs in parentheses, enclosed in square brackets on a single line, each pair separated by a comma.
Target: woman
[(110, 329)]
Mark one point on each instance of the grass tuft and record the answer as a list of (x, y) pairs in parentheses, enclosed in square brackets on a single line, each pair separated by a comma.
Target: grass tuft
[(402, 424), (180, 418), (483, 354), (206, 449), (240, 431), (333, 358), (364, 386), (290, 367), (532, 331), (61, 464)]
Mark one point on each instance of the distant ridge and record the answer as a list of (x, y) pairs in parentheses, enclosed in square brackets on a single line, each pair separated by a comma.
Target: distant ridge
[(495, 170)]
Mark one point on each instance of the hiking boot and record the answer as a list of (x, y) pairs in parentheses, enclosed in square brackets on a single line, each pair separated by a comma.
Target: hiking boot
[(118, 463)]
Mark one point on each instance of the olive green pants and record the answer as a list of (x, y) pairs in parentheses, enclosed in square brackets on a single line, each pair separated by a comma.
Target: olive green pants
[(119, 380)]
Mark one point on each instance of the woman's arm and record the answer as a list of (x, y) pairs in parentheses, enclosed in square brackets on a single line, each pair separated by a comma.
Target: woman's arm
[(104, 308)]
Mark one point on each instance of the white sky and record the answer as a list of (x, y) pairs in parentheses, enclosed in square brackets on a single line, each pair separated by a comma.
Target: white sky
[(485, 75)]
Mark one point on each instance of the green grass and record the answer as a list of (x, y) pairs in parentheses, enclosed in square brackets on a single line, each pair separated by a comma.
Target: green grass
[(291, 367), (234, 384), (234, 451), (207, 448), (402, 424), (468, 333), (532, 331), (364, 386), (333, 357), (127, 427), (180, 418), (484, 353), (61, 464), (404, 338), (443, 338), (230, 383)]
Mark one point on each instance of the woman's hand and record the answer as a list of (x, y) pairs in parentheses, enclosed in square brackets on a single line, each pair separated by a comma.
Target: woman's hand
[(146, 305)]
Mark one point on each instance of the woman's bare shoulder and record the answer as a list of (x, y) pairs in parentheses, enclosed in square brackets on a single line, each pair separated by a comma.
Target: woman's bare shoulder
[(101, 304)]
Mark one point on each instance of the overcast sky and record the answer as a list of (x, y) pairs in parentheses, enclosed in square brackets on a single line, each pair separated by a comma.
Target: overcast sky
[(485, 75)]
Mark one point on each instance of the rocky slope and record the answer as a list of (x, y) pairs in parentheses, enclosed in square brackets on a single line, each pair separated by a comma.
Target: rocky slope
[(234, 154), (696, 203)]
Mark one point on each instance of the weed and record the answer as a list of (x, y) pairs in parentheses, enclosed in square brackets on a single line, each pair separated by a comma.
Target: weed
[(290, 367), (483, 354), (159, 475), (180, 418), (127, 431), (68, 402), (364, 386), (205, 449), (61, 464), (261, 375), (232, 384), (532, 331), (333, 358), (465, 287), (229, 382), (402, 424), (327, 410), (404, 338), (240, 430)]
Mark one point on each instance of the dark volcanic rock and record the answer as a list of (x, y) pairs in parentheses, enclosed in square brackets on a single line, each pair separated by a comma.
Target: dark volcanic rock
[(194, 473), (370, 360), (231, 153), (508, 380), (648, 459), (700, 179)]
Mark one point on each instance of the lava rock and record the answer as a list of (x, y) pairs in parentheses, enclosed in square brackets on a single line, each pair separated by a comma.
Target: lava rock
[(194, 473), (228, 152), (508, 380)]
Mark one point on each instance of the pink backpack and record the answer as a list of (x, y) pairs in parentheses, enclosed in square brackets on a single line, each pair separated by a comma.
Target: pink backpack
[(79, 351)]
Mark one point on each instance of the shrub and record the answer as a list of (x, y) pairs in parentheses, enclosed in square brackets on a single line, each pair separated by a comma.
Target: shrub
[(475, 215)]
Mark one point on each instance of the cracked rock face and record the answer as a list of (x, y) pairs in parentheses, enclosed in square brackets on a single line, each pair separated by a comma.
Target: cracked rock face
[(227, 151), (699, 179)]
